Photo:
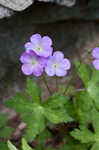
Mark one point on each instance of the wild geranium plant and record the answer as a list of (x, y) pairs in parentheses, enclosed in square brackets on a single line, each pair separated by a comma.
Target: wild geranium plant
[(69, 118)]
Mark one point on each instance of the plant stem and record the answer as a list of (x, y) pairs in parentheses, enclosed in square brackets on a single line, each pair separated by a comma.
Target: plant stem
[(68, 85), (45, 81), (56, 83)]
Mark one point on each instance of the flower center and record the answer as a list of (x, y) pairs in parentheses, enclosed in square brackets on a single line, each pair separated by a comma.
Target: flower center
[(38, 48), (33, 61), (55, 66)]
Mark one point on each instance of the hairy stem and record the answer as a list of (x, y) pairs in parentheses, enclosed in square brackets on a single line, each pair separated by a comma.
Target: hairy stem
[(45, 81)]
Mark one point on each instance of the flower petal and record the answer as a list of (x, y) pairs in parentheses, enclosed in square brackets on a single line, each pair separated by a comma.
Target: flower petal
[(37, 71), (49, 71), (65, 64), (96, 64), (35, 38), (60, 72), (58, 55), (27, 57), (28, 46), (95, 52), (46, 52), (42, 62), (27, 69), (46, 41)]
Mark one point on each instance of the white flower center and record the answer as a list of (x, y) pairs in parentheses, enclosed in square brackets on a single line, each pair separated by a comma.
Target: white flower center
[(38, 48), (33, 62), (55, 66)]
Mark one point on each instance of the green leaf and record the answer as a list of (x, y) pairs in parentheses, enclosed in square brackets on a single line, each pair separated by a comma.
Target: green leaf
[(72, 144), (34, 91), (95, 120), (19, 103), (3, 119), (57, 115), (84, 101), (49, 148), (95, 146), (34, 114), (95, 75), (84, 105), (38, 147), (11, 146), (56, 100), (67, 147), (84, 135), (3, 145), (69, 91), (83, 72), (93, 87), (45, 135), (25, 146), (35, 124), (5, 132), (55, 111), (31, 113)]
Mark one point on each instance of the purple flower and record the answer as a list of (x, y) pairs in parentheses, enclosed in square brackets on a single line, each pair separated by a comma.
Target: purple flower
[(32, 64), (42, 46), (95, 54), (57, 65)]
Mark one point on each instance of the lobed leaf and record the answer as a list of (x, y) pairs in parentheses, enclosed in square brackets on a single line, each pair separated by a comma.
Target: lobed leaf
[(84, 135), (11, 146), (83, 71), (25, 146), (33, 91)]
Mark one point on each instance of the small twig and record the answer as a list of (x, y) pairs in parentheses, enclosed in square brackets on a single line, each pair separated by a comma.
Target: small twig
[(78, 90)]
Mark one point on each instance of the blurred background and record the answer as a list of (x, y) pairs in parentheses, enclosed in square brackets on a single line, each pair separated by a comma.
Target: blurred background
[(72, 24)]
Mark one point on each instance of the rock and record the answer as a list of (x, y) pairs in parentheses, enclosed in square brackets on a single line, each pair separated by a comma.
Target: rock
[(8, 7), (68, 3), (59, 13), (5, 12), (71, 9), (16, 5)]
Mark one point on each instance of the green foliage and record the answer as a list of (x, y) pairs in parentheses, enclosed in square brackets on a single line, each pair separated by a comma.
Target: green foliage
[(49, 148), (11, 146), (55, 109), (3, 145), (72, 144), (34, 112), (31, 113), (25, 146), (5, 131), (68, 105), (87, 136), (83, 72), (68, 91), (93, 87), (84, 105), (33, 91), (43, 136)]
